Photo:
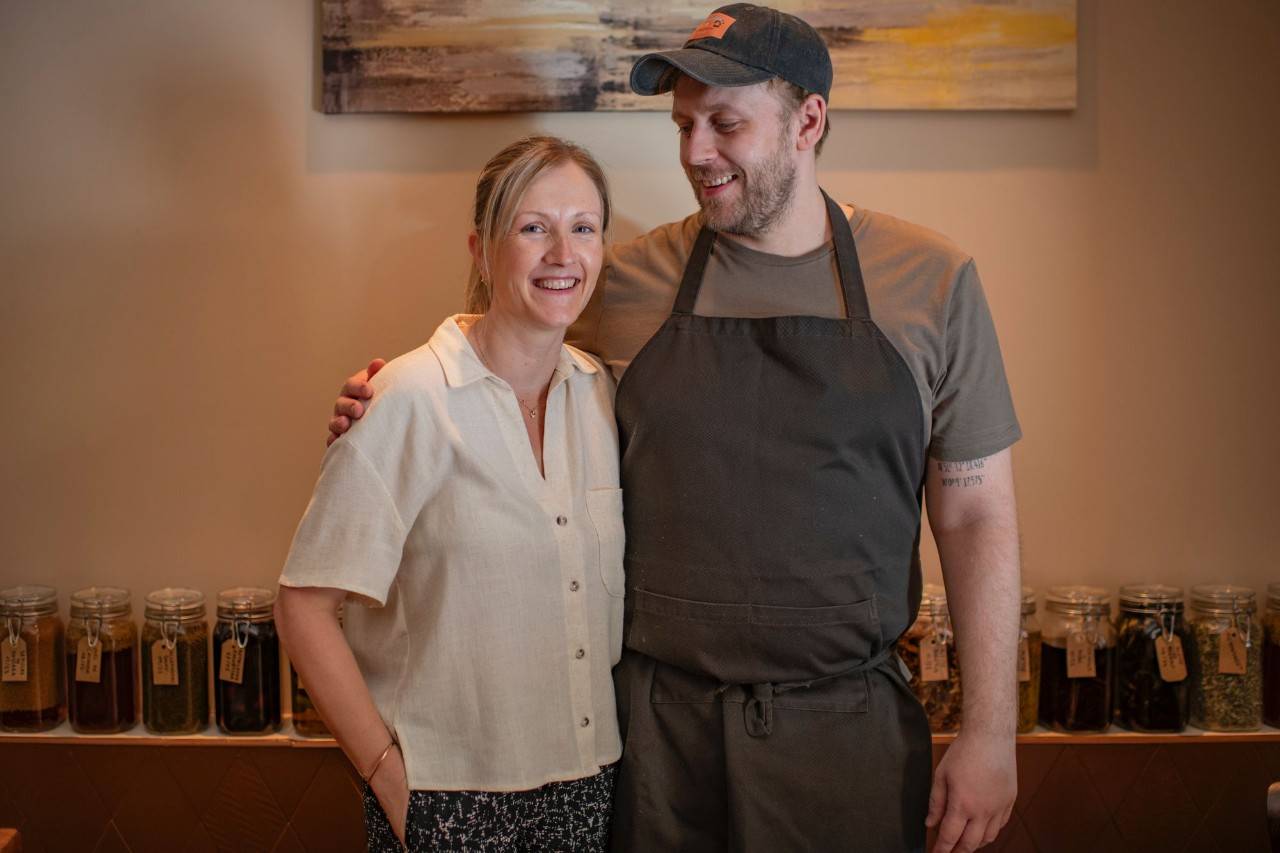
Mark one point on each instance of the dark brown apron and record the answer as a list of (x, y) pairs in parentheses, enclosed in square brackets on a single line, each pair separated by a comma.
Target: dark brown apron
[(773, 470)]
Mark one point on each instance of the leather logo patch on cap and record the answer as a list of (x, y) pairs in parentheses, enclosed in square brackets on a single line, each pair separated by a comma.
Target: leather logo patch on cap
[(714, 27)]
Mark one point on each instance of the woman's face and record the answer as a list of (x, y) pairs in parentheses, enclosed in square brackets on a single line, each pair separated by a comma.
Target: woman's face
[(545, 269)]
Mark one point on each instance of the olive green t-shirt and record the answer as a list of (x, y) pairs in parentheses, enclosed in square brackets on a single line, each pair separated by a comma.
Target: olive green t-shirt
[(924, 293)]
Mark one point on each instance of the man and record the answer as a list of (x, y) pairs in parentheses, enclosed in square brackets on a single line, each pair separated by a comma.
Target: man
[(792, 375)]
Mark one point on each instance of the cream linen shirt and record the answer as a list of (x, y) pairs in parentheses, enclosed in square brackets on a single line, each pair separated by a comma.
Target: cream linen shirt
[(494, 595)]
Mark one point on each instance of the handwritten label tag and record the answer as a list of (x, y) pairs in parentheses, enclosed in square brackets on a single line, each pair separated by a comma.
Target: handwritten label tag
[(232, 667), (1173, 664), (1024, 660), (88, 661), (14, 664), (1080, 660), (164, 663), (933, 659), (1231, 653)]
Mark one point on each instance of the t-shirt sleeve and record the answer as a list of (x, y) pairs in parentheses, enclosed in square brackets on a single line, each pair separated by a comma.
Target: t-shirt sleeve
[(352, 535), (973, 412)]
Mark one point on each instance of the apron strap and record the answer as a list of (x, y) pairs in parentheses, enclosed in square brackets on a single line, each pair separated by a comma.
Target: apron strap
[(758, 709), (692, 281), (852, 288)]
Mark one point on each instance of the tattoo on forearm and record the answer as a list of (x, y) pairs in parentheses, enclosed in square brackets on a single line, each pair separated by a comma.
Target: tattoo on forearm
[(966, 471)]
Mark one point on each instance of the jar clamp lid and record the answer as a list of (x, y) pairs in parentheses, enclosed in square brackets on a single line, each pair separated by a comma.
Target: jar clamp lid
[(246, 604), (174, 604), (30, 600), (1028, 601), (1150, 598), (1223, 599), (101, 602), (1078, 600)]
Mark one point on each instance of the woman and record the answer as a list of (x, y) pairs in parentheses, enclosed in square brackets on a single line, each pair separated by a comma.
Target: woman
[(476, 511)]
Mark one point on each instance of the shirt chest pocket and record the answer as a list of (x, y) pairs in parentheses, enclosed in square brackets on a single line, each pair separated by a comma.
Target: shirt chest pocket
[(604, 506)]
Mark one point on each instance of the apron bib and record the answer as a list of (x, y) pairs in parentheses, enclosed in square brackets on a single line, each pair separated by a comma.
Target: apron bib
[(773, 470)]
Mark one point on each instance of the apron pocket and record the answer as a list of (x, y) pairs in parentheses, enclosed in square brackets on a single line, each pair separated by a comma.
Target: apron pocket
[(753, 643), (604, 507)]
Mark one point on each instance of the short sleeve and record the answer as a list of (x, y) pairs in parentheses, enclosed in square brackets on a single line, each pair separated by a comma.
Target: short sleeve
[(351, 536), (973, 413)]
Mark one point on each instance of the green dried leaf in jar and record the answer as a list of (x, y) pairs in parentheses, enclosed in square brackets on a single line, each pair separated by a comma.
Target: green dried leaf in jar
[(1226, 664)]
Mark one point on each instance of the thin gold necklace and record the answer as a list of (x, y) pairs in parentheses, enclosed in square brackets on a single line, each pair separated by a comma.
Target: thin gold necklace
[(531, 411)]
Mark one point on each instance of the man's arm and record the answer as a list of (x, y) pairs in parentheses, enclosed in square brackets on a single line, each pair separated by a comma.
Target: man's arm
[(974, 520)]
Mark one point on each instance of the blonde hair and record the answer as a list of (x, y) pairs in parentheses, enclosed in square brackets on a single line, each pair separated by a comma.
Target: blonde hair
[(502, 185)]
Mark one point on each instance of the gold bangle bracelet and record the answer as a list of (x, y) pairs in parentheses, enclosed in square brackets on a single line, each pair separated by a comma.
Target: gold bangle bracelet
[(381, 758)]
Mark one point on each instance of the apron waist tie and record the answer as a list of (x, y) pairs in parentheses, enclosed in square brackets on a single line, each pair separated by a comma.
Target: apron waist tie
[(758, 708)]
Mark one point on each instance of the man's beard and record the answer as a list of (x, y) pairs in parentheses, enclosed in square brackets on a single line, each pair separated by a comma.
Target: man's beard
[(767, 193)]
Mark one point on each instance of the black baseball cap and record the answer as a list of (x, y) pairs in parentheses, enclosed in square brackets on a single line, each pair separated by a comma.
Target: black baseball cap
[(738, 45)]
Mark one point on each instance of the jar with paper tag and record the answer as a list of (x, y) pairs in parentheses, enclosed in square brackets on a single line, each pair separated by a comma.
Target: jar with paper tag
[(246, 666), (102, 661), (1271, 658), (929, 651), (1226, 659), (1152, 688), (32, 681), (1029, 637), (1077, 659), (175, 662)]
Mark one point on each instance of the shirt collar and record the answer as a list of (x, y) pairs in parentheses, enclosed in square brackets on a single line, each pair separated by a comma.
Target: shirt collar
[(462, 365)]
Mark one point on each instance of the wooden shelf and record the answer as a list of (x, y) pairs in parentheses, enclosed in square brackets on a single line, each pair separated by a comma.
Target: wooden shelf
[(1116, 735), (139, 736), (287, 737)]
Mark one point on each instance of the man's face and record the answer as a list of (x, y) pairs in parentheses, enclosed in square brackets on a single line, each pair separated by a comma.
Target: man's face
[(738, 153)]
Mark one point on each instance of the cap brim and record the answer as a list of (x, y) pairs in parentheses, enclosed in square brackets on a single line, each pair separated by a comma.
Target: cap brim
[(651, 75)]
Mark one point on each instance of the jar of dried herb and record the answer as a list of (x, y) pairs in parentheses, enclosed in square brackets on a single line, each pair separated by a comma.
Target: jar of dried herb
[(928, 649), (246, 663), (102, 661), (306, 719), (1077, 658), (1271, 657), (175, 662), (32, 683), (1152, 689), (1028, 664), (1226, 659)]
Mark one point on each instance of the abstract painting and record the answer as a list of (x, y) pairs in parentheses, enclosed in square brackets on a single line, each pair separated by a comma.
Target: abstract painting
[(571, 55)]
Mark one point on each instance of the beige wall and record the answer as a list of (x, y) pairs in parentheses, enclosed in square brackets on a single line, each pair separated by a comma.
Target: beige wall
[(193, 258)]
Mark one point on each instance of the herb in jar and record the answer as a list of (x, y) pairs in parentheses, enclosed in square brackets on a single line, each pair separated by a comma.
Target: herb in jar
[(1226, 693), (32, 697), (929, 651), (1151, 697)]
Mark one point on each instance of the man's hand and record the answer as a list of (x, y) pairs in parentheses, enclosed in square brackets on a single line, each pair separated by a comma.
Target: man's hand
[(973, 792), (347, 407)]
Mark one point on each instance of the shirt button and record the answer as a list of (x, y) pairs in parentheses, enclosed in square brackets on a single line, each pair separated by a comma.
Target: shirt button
[(573, 586), (561, 520), (586, 721), (580, 654)]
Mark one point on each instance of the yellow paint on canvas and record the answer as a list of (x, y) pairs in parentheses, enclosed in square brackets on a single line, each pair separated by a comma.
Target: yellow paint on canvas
[(543, 31), (981, 26)]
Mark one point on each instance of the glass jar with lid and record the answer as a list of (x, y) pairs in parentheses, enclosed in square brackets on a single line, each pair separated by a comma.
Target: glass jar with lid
[(1271, 658), (1077, 657), (102, 661), (1028, 664), (246, 665), (32, 682), (1226, 659), (306, 719), (175, 662), (1152, 688), (928, 649)]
